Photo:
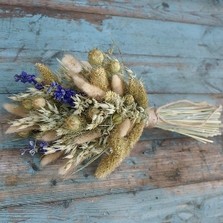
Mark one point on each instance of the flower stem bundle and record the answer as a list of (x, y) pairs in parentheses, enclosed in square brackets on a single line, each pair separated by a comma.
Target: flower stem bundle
[(197, 120), (97, 108)]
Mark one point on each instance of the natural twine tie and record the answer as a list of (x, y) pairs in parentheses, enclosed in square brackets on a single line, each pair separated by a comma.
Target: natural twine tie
[(152, 119)]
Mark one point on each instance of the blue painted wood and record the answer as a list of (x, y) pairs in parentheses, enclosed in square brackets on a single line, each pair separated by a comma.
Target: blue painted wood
[(209, 12), (162, 164), (170, 205), (135, 36), (160, 74), (175, 47)]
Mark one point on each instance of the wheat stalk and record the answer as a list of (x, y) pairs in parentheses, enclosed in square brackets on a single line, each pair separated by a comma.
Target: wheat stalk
[(197, 120)]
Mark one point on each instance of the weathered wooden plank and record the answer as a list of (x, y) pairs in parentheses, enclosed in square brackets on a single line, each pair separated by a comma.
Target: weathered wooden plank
[(159, 74), (201, 202), (152, 164), (135, 36), (204, 68), (181, 177), (209, 12)]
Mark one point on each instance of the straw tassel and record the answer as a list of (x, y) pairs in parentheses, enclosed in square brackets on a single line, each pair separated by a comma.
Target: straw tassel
[(196, 120)]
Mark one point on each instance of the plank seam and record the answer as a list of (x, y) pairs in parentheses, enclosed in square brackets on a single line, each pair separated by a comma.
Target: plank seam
[(70, 12), (108, 194)]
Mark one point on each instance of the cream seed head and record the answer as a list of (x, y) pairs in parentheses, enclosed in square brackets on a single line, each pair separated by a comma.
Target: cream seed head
[(73, 122), (71, 63), (38, 103), (24, 133)]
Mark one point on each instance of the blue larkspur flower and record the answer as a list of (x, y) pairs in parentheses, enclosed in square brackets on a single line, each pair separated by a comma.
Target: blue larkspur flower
[(56, 90), (36, 146), (61, 94), (42, 146), (28, 78), (32, 147)]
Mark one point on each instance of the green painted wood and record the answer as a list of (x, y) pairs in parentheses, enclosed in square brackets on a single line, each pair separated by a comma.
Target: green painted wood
[(175, 47)]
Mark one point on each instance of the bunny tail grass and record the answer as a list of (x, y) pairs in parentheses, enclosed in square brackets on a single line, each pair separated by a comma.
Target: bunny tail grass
[(197, 120)]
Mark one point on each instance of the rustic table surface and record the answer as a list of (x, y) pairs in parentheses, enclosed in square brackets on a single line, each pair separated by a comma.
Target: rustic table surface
[(176, 48)]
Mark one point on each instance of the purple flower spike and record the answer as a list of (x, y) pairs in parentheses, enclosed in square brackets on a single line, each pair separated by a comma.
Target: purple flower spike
[(61, 94), (28, 78)]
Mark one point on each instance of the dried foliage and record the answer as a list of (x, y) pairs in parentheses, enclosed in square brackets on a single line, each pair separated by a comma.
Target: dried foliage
[(96, 108), (84, 121)]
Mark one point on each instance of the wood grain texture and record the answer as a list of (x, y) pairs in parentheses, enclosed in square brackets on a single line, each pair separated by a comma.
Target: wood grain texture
[(207, 13), (179, 204), (153, 164), (175, 47)]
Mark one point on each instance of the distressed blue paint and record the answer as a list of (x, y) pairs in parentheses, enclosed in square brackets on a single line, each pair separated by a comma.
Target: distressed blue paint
[(175, 60), (155, 206), (167, 56), (171, 10), (135, 36), (159, 74)]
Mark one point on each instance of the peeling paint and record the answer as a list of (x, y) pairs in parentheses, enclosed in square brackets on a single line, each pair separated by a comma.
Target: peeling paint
[(68, 14)]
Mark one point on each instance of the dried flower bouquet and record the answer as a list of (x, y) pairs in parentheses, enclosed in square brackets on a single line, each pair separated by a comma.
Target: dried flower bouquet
[(95, 108)]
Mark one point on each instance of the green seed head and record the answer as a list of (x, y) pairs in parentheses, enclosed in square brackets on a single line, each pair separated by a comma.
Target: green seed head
[(114, 66), (95, 57), (117, 119), (46, 73), (27, 104), (129, 99)]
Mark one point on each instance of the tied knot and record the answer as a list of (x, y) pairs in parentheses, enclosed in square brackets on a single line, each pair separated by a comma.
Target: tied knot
[(152, 118)]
